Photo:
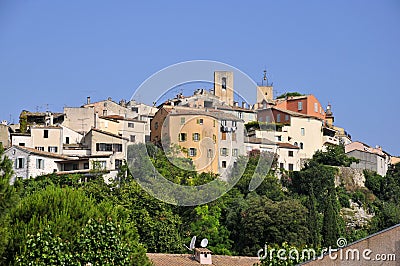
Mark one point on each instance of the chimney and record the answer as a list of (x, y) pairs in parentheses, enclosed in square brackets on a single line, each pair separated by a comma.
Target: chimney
[(236, 104), (203, 255), (243, 105), (88, 100)]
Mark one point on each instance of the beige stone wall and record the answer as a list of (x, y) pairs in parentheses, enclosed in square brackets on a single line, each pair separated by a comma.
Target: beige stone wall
[(265, 93), (225, 95), (371, 251), (79, 119), (54, 139), (206, 130)]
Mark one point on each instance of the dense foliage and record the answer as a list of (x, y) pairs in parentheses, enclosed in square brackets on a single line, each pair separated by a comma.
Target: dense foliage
[(59, 220)]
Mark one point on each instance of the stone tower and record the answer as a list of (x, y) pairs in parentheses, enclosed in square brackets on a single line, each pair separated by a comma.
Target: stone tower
[(223, 86)]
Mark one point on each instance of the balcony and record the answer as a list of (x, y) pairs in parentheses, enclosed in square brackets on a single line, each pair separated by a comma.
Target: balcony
[(330, 140), (228, 129)]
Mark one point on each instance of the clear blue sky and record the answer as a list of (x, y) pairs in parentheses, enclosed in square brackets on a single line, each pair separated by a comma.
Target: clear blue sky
[(56, 53)]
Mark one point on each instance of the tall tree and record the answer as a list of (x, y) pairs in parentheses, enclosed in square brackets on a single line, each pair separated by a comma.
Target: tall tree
[(8, 198), (330, 227)]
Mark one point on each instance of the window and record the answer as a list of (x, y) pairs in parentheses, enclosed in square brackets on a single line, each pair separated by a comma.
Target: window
[(108, 147), (235, 152), (286, 117), (66, 140), (135, 109), (182, 136), (133, 138), (224, 152), (223, 122), (156, 125), (223, 136), (290, 167), (223, 164), (215, 138), (303, 131), (39, 163), (19, 163), (102, 164), (209, 153), (290, 153), (296, 144), (278, 138), (53, 149), (45, 133), (316, 107), (281, 166), (213, 123), (299, 106), (278, 118), (131, 125), (117, 147), (301, 145), (196, 136), (234, 123), (183, 120), (104, 112), (200, 121), (118, 163), (39, 148), (240, 115), (192, 152), (223, 85), (86, 166), (21, 144), (75, 166)]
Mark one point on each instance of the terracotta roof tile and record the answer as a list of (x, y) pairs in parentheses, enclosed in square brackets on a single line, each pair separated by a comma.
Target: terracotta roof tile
[(159, 259)]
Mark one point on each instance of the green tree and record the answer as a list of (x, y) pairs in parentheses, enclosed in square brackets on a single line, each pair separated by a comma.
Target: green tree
[(330, 227), (313, 221), (65, 211), (206, 224), (334, 155), (8, 199)]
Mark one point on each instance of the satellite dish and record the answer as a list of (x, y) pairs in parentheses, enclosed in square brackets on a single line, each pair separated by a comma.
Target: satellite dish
[(192, 243), (204, 243)]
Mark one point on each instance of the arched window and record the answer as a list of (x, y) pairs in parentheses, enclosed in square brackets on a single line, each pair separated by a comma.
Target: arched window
[(301, 145), (296, 144)]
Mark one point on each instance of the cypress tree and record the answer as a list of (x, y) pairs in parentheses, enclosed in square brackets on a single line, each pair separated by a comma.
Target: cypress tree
[(330, 227)]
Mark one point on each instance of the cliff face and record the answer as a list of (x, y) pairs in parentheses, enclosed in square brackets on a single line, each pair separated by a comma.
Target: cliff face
[(353, 180)]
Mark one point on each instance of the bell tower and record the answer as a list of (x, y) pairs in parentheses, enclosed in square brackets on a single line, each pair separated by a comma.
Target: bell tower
[(265, 91), (223, 86)]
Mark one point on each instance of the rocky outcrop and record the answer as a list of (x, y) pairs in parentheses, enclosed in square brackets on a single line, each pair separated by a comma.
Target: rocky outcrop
[(350, 178), (356, 216)]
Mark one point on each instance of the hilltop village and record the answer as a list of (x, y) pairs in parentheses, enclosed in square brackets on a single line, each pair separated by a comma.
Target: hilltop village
[(210, 127)]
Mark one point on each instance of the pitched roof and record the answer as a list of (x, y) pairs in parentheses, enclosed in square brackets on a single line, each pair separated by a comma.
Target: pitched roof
[(220, 115), (285, 145), (159, 259), (108, 133), (259, 141), (120, 117), (292, 113), (40, 153)]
